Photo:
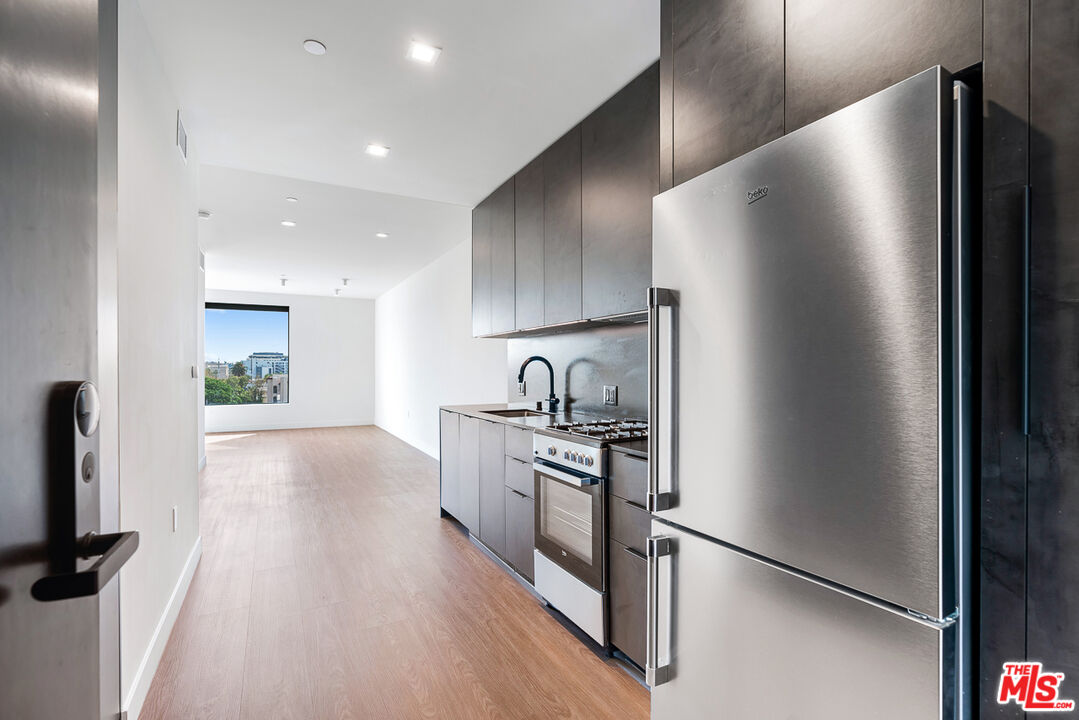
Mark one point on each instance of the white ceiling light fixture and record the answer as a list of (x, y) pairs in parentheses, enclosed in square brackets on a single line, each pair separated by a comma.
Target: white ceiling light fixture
[(288, 223), (423, 53), (377, 150), (292, 199), (314, 47), (381, 235), (205, 214)]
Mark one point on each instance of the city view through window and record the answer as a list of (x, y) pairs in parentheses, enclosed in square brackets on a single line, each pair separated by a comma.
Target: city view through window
[(246, 354)]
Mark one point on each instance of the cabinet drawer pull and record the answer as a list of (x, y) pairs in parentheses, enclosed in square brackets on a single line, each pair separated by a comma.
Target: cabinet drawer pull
[(636, 553), (517, 492)]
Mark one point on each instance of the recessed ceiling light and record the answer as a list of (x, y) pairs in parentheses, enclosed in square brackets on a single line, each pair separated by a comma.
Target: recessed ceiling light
[(314, 47), (382, 235), (288, 223), (377, 150), (205, 214), (291, 199), (423, 53)]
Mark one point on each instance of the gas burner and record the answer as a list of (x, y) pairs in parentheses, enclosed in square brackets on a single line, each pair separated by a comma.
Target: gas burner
[(610, 429)]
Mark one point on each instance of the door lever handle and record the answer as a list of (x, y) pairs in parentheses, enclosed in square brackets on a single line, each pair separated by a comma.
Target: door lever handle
[(114, 548)]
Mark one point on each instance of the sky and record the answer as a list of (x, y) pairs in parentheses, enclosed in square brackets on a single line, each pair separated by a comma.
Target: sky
[(232, 335)]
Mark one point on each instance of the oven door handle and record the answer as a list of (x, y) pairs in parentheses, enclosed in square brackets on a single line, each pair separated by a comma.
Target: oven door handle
[(575, 480)]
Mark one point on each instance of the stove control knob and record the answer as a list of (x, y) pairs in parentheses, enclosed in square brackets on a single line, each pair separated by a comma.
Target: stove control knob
[(565, 455), (589, 462), (552, 451)]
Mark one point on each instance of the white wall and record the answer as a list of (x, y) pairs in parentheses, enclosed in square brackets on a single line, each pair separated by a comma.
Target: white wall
[(157, 263), (425, 355), (331, 365)]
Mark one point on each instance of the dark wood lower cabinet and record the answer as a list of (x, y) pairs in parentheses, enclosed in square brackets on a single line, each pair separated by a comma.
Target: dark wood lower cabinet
[(629, 601), (492, 463), (520, 532)]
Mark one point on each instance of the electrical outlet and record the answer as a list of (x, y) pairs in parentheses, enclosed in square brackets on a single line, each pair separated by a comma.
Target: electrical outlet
[(521, 388), (175, 518), (610, 394)]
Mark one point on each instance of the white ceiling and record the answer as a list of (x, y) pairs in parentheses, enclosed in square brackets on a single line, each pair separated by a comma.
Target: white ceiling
[(513, 76), (247, 248)]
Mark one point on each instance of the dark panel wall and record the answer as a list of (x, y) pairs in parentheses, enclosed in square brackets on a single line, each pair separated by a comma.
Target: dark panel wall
[(1003, 453), (584, 362), (1053, 482), (840, 51), (727, 72)]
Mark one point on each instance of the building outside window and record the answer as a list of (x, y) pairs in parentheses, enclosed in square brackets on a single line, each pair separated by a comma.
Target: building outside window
[(247, 351)]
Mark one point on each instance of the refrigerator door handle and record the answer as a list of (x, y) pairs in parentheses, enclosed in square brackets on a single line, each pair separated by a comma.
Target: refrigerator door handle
[(661, 394), (657, 668)]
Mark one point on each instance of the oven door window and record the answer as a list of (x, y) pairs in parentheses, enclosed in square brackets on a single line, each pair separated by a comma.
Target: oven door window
[(570, 526), (566, 518)]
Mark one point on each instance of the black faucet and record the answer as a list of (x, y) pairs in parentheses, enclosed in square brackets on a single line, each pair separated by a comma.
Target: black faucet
[(552, 401)]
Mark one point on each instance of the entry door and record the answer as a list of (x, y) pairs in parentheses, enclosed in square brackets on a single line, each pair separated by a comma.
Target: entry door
[(49, 663)]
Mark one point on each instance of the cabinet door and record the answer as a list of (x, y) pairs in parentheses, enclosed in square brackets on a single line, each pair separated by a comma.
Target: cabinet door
[(528, 243), (727, 73), (562, 229), (481, 268), (840, 51), (493, 486), (1053, 487), (619, 178), (629, 601), (520, 532), (469, 475), (450, 461), (502, 258)]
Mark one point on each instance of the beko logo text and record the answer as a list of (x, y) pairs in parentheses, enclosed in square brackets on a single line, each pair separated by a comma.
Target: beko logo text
[(754, 195)]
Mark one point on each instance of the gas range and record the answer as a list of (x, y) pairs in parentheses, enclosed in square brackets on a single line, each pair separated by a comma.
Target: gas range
[(582, 446)]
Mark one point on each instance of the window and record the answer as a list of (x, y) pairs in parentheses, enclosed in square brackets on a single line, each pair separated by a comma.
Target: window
[(246, 354)]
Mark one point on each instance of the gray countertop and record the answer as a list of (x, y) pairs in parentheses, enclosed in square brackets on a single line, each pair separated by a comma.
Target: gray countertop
[(483, 412), (637, 448)]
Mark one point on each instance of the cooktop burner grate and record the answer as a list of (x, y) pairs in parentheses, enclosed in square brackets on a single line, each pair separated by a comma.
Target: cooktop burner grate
[(606, 429)]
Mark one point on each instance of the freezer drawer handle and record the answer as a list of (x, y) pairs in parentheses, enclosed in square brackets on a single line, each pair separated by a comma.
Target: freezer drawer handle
[(657, 661), (114, 548), (661, 408)]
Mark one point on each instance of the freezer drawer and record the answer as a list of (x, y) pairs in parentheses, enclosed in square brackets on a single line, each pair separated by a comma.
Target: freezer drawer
[(811, 341), (748, 640)]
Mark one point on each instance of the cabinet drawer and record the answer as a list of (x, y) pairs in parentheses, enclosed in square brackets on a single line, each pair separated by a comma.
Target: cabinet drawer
[(519, 476), (629, 477), (519, 444), (629, 524), (629, 602)]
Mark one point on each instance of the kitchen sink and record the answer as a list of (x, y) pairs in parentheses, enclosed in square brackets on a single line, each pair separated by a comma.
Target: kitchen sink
[(517, 413)]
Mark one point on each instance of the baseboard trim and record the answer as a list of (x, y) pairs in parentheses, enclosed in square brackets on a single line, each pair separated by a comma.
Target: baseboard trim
[(140, 685), (217, 428)]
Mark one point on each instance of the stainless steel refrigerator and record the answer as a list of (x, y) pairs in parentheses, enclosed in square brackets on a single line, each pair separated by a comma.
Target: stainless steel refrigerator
[(809, 467)]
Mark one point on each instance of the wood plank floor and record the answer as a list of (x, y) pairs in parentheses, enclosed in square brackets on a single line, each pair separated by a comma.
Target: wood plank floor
[(330, 588)]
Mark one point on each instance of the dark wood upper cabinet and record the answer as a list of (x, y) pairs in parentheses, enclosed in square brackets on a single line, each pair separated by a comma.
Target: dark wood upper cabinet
[(726, 60), (528, 220), (840, 51), (481, 268), (502, 258), (619, 178), (562, 229)]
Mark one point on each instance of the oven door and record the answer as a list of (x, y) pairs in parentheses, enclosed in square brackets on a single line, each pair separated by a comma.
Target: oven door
[(570, 519)]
